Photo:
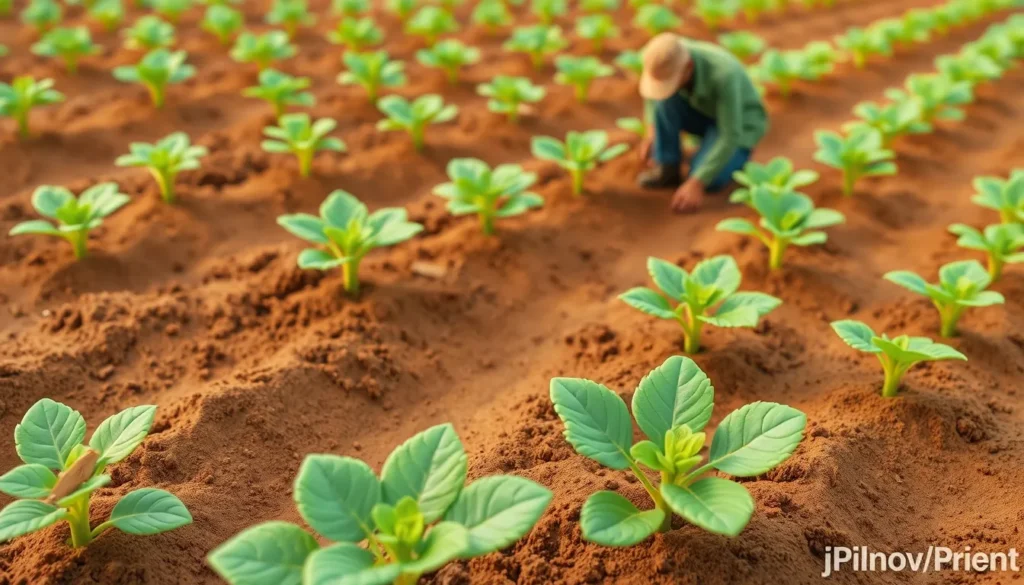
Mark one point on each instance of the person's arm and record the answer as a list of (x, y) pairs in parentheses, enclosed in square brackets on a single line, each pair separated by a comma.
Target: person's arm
[(729, 121)]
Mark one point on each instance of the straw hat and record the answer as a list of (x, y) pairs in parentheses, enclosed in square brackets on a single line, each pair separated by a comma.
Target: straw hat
[(665, 60)]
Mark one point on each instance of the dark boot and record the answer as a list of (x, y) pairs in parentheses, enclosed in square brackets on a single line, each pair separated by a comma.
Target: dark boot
[(661, 177)]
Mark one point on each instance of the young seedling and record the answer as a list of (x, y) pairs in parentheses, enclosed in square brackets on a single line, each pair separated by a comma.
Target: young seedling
[(157, 69), (263, 50), (348, 232), (597, 6), (820, 59), (67, 44), (508, 94), (23, 94), (1002, 46), (149, 33), (672, 405), (630, 62), (51, 437), (449, 55), (712, 283), (918, 25), (863, 44), (580, 153), (75, 216), (431, 23), (41, 15), (415, 518), (961, 285), (939, 96), (171, 9), (350, 8), (891, 120), (858, 154), (291, 15), (1003, 195), (372, 70), (295, 134), (634, 125), (897, 355), (164, 160), (580, 73), (743, 44), (787, 218), (777, 175), (491, 15), (715, 12), (414, 117), (402, 9), (968, 67), (1002, 244), (108, 13), (281, 90), (488, 193), (356, 34), (548, 11), (536, 41), (753, 9), (598, 29), (656, 19), (6, 6), (782, 68), (222, 22)]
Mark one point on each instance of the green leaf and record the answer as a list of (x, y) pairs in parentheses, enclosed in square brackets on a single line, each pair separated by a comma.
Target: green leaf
[(31, 480), (346, 563), (24, 516), (713, 503), (856, 334), (271, 553), (149, 511), (35, 226), (611, 520), (547, 148), (48, 433), (648, 301), (675, 393), (318, 260), (47, 199), (908, 280), (340, 207), (304, 226), (445, 541), (335, 496), (737, 226), (430, 468), (596, 420), (647, 453), (119, 435), (934, 351), (742, 309), (719, 273), (498, 510), (668, 277), (755, 438)]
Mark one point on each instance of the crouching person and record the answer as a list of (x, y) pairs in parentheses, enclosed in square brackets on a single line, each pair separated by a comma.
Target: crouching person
[(699, 89)]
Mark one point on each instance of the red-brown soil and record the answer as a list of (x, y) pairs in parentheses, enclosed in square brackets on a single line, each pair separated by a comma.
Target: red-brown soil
[(200, 309)]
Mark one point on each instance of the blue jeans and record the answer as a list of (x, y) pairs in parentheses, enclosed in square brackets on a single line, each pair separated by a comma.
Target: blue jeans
[(675, 115)]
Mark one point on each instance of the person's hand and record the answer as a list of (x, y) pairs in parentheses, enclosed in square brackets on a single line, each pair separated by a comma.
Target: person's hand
[(688, 197)]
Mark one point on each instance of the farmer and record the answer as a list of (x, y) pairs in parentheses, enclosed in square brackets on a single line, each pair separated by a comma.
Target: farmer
[(700, 89)]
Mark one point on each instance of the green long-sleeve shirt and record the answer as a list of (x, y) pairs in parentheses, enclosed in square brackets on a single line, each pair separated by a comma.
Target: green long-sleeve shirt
[(722, 90)]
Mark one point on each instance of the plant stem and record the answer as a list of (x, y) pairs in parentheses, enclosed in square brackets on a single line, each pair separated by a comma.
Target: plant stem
[(581, 92), (513, 114), (165, 182), (487, 224), (659, 502), (948, 316), (995, 267), (849, 180), (417, 133), (892, 382), (156, 94), (407, 579), (577, 181), (859, 59), (350, 276), (23, 125), (78, 520), (305, 162), (79, 242), (776, 250), (1005, 215), (691, 331)]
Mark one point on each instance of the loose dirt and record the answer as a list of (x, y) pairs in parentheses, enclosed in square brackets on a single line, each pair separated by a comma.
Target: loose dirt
[(200, 309)]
